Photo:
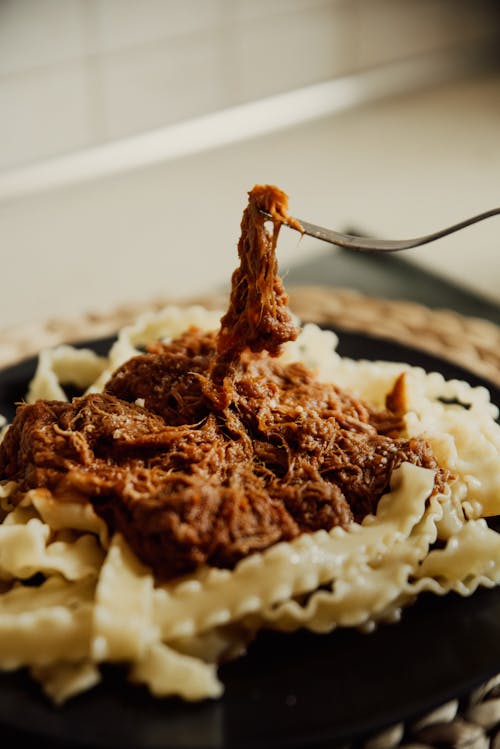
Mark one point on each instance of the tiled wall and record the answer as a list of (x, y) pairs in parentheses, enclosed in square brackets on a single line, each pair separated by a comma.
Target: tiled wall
[(77, 73)]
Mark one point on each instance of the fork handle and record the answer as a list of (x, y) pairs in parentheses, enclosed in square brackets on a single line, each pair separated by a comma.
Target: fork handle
[(369, 244)]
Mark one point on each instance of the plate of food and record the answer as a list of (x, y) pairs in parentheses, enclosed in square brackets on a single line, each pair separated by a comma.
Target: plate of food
[(231, 529)]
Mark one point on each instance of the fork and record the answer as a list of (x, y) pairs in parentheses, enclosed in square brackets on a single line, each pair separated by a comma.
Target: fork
[(372, 245)]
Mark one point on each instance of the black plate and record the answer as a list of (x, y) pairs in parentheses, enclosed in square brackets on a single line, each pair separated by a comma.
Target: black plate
[(290, 691)]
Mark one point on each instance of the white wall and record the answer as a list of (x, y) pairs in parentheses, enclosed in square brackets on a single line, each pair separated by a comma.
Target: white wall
[(78, 73)]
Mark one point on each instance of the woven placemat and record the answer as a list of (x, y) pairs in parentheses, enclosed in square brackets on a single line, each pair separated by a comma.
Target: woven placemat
[(472, 722), (473, 343)]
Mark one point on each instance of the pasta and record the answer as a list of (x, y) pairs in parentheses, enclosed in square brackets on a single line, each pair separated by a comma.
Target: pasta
[(97, 602)]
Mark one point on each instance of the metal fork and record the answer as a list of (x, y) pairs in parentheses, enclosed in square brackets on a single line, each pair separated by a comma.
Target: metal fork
[(371, 245)]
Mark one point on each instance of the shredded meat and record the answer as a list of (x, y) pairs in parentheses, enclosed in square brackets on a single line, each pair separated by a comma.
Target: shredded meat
[(230, 450), (258, 315)]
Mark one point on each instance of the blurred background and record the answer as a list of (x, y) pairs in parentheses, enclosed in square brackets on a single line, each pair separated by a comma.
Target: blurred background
[(132, 130)]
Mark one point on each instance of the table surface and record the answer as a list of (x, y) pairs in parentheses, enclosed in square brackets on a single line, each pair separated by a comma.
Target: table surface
[(392, 277)]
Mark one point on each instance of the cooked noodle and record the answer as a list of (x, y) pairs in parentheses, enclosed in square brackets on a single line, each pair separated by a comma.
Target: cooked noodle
[(99, 603)]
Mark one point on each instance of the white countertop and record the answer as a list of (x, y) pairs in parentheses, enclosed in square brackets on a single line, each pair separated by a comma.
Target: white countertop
[(399, 167)]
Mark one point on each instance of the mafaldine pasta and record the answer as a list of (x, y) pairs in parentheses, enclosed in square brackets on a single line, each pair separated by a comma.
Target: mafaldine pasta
[(227, 472)]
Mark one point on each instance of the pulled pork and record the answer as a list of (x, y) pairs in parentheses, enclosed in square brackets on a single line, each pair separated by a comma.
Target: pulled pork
[(230, 450)]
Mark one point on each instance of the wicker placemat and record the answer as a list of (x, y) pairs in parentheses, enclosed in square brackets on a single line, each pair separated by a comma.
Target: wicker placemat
[(473, 722), (471, 342)]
